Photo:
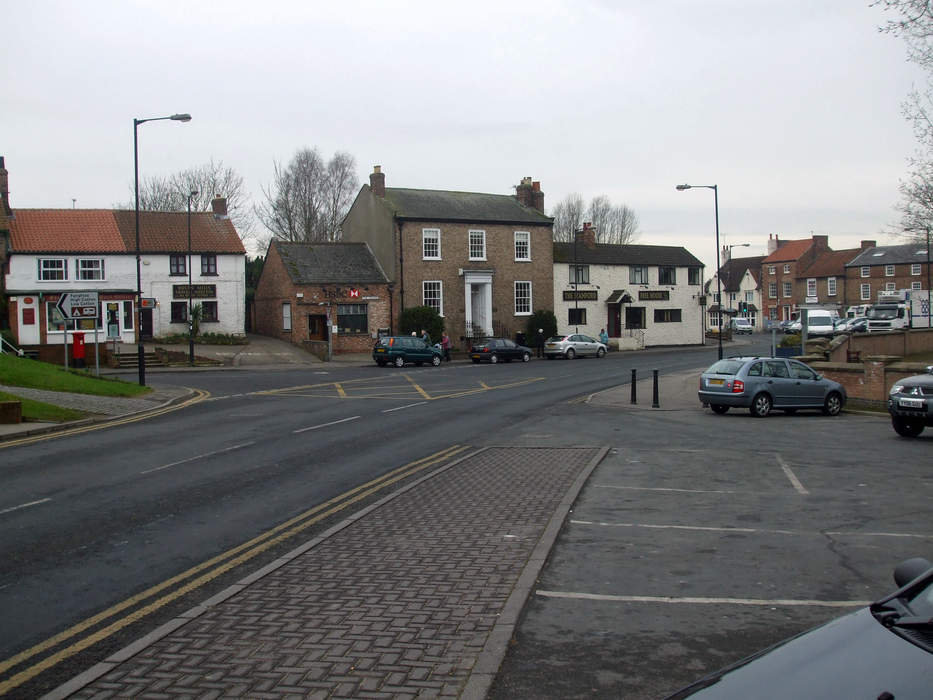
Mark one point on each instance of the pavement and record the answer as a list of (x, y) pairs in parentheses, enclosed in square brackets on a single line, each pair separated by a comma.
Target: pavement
[(417, 595)]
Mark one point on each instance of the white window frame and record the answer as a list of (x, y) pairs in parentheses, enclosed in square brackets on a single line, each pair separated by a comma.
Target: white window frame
[(425, 301), (44, 271), (865, 291), (772, 270), (80, 270), (479, 253), (890, 286), (831, 286), (430, 235), (525, 312), (788, 290), (865, 271), (286, 316), (772, 290), (916, 285), (889, 270), (811, 286), (518, 239), (786, 268), (915, 268)]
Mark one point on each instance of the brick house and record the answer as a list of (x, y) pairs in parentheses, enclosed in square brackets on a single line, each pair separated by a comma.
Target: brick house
[(484, 261), (823, 282), (879, 269), (780, 296), (306, 289)]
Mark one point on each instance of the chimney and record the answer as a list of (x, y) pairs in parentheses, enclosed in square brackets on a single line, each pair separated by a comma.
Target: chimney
[(377, 181), (4, 190), (821, 242), (587, 236), (219, 206), (773, 243), (524, 193), (868, 244), (726, 254)]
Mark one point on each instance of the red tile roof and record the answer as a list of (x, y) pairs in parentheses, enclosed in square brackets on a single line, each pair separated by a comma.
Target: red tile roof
[(789, 251), (167, 232), (832, 263)]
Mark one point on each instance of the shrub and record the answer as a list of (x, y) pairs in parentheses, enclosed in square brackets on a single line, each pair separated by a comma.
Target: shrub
[(790, 341), (545, 320), (418, 318)]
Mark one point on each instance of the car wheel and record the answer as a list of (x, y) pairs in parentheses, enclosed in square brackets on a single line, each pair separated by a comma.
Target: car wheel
[(718, 408), (436, 360), (570, 354), (493, 359), (526, 357), (399, 361), (600, 352), (905, 427), (761, 406), (833, 405)]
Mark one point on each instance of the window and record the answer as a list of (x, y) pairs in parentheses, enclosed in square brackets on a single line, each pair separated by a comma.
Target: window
[(916, 285), (799, 370), (638, 274), (522, 298), (749, 296), (209, 311), (889, 270), (477, 245), (865, 292), (209, 266), (771, 269), (915, 268), (889, 286), (352, 319), (53, 269), (55, 322), (90, 268), (786, 269), (431, 243), (179, 311), (667, 274), (831, 286), (432, 294), (286, 316), (865, 271), (522, 245), (772, 290), (811, 287), (128, 315), (693, 275), (177, 265), (667, 315), (788, 290), (582, 276), (576, 317)]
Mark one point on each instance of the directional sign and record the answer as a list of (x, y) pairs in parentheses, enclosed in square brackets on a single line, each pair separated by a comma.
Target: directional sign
[(78, 305)]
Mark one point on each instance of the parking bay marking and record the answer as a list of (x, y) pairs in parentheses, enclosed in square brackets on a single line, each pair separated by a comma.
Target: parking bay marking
[(25, 505), (753, 530), (784, 602)]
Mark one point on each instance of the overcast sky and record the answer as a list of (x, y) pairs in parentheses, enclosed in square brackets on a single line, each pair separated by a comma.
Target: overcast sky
[(791, 107)]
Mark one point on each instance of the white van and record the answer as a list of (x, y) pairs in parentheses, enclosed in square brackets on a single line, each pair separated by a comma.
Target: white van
[(820, 322), (740, 325)]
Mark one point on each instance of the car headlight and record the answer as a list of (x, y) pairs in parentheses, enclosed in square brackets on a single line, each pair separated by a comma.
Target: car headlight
[(897, 389)]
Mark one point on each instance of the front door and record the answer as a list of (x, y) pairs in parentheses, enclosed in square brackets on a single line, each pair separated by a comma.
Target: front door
[(146, 324), (614, 321), (317, 327)]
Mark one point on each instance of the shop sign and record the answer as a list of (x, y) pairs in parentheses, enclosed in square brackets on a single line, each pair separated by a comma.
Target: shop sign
[(580, 295), (198, 291), (654, 295)]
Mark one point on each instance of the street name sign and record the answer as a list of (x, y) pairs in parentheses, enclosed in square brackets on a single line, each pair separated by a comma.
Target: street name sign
[(73, 305)]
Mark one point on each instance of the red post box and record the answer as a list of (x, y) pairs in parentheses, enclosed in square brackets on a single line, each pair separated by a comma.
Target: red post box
[(77, 349)]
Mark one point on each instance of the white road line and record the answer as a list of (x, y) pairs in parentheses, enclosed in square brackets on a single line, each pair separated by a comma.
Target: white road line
[(202, 456), (24, 505), (793, 477), (645, 488), (784, 602), (399, 408), (762, 531), (324, 425)]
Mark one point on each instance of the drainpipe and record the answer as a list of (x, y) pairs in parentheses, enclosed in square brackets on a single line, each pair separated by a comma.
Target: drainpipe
[(401, 267)]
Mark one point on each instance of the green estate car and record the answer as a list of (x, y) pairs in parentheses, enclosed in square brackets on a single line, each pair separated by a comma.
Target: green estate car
[(399, 349)]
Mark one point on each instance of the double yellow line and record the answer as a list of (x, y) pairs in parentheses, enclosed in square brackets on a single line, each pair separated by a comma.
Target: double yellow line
[(198, 576)]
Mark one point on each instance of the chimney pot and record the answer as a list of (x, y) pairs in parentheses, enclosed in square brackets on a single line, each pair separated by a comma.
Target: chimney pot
[(377, 181)]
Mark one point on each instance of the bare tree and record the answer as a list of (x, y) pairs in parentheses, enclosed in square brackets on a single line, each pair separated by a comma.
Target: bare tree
[(617, 224), (568, 217), (309, 198)]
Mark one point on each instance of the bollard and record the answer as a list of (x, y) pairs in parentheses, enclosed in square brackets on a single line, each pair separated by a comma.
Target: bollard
[(634, 401), (654, 397)]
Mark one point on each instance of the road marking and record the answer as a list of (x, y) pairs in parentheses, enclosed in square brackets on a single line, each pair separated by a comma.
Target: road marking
[(417, 387), (399, 408), (340, 392), (324, 425), (24, 505), (792, 477), (197, 457), (754, 530), (782, 602), (646, 488)]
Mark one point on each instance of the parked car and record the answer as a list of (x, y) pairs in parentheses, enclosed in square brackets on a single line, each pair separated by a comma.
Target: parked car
[(882, 651), (791, 326), (762, 383), (910, 404), (571, 346), (741, 326), (399, 349), (494, 349)]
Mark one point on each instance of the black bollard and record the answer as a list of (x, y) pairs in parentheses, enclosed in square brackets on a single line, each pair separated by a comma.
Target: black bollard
[(634, 400), (654, 397)]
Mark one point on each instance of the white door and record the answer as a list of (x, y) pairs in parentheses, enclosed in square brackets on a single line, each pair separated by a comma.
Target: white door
[(478, 292), (28, 321)]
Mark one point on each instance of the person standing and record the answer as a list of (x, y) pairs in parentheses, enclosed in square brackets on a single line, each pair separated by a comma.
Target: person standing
[(604, 337), (539, 342), (425, 337), (445, 345)]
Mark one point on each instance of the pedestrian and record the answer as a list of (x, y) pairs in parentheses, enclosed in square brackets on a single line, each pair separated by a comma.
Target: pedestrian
[(425, 337), (604, 337), (445, 345), (539, 342)]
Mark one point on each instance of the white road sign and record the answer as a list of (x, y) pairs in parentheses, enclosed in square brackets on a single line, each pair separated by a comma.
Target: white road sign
[(78, 305)]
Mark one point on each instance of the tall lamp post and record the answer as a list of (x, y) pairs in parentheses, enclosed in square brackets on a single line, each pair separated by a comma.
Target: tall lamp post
[(715, 190), (193, 193), (730, 246), (141, 350)]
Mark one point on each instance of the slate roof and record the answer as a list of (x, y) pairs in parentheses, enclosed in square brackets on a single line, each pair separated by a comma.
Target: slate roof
[(789, 251), (732, 272), (109, 231), (316, 263), (441, 205), (830, 263), (891, 255), (613, 254)]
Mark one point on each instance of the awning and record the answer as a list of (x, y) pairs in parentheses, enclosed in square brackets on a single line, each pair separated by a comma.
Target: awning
[(619, 296)]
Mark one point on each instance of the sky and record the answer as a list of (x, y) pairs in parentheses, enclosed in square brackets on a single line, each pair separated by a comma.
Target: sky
[(791, 107)]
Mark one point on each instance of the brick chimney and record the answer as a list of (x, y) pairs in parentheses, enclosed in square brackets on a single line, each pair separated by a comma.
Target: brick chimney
[(377, 181), (821, 243), (537, 196), (4, 191), (773, 243), (587, 236), (866, 245), (219, 207)]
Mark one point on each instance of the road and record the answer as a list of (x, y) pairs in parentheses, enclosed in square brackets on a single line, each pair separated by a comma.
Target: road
[(105, 515)]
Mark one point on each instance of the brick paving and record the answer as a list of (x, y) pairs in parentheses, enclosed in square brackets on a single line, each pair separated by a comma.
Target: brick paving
[(406, 601), (102, 405)]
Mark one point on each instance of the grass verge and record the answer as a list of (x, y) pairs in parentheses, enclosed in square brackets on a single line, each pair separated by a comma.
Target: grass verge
[(18, 371), (38, 411)]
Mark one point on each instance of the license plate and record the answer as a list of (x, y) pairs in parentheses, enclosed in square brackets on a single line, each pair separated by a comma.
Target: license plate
[(910, 403), (717, 382), (380, 349), (475, 357)]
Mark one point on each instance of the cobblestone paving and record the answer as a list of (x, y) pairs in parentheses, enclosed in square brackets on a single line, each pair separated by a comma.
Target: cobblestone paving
[(102, 405), (399, 604)]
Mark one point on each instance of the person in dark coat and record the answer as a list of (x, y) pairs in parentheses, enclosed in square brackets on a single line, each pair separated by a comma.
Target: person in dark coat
[(539, 342)]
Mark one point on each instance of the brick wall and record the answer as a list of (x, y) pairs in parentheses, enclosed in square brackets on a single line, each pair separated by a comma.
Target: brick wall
[(867, 384)]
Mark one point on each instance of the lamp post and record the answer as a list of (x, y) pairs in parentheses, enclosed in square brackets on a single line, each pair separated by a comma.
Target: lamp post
[(715, 190), (730, 246), (141, 350), (192, 193)]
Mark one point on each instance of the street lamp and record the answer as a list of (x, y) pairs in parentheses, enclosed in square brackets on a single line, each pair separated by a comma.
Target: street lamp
[(730, 246), (715, 190), (192, 193), (141, 350)]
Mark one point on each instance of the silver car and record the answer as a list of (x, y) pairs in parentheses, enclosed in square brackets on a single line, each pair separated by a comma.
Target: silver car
[(574, 345), (762, 383)]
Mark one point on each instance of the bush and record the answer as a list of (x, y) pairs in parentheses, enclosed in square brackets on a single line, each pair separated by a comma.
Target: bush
[(545, 320), (418, 318), (790, 341)]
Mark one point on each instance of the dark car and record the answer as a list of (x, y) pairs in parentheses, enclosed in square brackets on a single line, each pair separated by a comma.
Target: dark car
[(910, 403), (494, 349), (762, 383), (883, 651), (399, 349)]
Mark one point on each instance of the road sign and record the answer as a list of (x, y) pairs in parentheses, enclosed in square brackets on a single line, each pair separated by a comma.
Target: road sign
[(147, 303), (78, 305)]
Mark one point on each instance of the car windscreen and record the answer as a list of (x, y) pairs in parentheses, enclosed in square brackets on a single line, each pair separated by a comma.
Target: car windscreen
[(824, 321), (726, 367), (882, 313)]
